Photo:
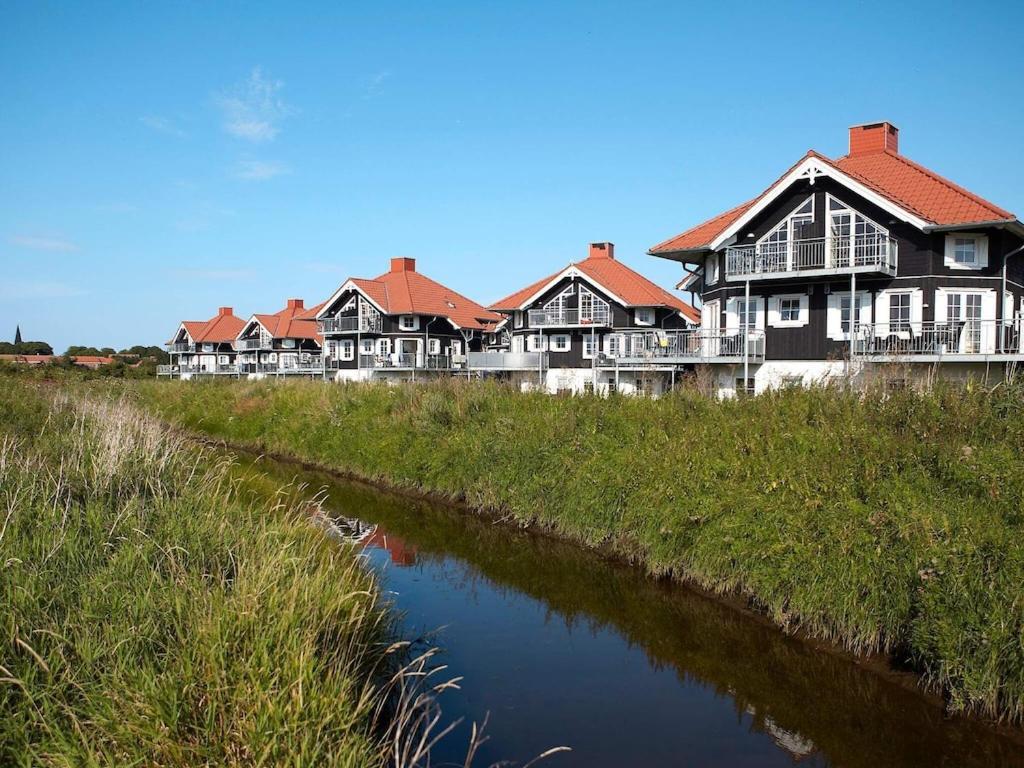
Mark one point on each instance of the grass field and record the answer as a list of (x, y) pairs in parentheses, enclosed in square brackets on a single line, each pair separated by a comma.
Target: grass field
[(881, 521), (153, 614)]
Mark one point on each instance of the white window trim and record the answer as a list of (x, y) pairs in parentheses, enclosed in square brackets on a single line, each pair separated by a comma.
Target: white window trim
[(834, 316), (560, 342), (882, 316), (787, 222), (586, 340), (711, 269), (636, 316), (775, 311), (383, 346), (606, 345), (517, 318), (347, 349), (434, 347), (408, 323), (732, 318), (980, 251), (536, 342)]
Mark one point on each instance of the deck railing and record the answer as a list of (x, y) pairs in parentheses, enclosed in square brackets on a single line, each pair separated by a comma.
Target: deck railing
[(350, 324), (693, 345), (507, 361), (242, 344), (166, 370), (410, 360), (897, 339), (599, 316), (865, 253), (181, 346)]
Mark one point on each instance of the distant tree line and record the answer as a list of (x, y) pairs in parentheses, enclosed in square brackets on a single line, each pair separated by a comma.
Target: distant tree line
[(25, 348)]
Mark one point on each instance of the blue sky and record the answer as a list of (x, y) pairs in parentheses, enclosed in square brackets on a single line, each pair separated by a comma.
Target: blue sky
[(160, 159)]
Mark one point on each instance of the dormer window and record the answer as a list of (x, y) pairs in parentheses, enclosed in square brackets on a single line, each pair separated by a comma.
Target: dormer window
[(966, 251), (408, 322), (644, 316)]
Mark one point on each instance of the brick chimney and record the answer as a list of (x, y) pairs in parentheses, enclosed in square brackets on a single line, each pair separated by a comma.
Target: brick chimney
[(403, 264), (222, 311), (874, 137), (602, 250), (295, 303)]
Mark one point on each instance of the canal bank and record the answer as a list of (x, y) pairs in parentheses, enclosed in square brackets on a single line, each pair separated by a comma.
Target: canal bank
[(881, 522), (557, 646)]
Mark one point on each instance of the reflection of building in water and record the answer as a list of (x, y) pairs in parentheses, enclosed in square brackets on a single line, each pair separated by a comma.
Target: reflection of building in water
[(795, 745), (402, 553), (353, 529)]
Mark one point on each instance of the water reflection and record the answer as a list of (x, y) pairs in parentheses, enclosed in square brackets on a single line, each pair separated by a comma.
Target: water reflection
[(562, 647)]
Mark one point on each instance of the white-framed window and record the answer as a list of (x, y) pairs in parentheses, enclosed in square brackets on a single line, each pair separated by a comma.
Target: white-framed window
[(589, 346), (740, 314), (898, 312), (644, 316), (223, 360), (793, 227), (535, 342), (366, 347), (455, 347), (434, 347), (851, 237), (288, 343), (207, 347), (838, 315), (966, 318), (615, 345), (347, 349), (711, 270), (408, 323), (383, 346), (517, 319), (965, 250), (349, 305), (560, 342), (789, 310)]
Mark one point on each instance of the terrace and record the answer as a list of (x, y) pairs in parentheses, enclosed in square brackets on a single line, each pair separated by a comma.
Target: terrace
[(871, 253)]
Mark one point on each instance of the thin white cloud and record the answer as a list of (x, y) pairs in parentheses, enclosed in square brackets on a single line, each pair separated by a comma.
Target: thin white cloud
[(375, 84), (254, 109), (43, 243), (215, 274), (38, 289), (161, 125), (259, 170)]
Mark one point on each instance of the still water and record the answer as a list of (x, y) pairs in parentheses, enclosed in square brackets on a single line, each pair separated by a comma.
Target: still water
[(561, 647)]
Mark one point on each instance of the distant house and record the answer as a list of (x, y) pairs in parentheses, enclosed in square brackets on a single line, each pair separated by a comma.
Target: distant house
[(204, 347), (400, 325), (841, 265), (91, 361), (27, 359), (595, 325), (285, 343)]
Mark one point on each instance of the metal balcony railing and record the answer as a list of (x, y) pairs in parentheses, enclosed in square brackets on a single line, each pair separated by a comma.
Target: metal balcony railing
[(351, 324), (166, 370), (599, 315), (899, 339), (410, 360), (860, 253), (694, 345), (260, 343), (507, 361), (181, 346)]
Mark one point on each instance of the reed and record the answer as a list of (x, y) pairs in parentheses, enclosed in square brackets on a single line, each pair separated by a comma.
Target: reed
[(882, 521), (155, 613)]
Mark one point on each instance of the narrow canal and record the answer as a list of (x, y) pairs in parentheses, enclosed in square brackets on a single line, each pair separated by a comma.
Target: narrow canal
[(561, 647)]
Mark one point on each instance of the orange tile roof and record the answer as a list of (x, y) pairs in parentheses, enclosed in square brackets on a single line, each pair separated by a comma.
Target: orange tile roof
[(911, 186), (293, 322), (627, 284), (221, 328), (404, 291)]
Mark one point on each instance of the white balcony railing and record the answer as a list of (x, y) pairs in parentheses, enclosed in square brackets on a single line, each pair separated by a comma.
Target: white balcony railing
[(181, 346), (693, 345), (507, 361), (410, 360), (166, 370), (260, 343), (599, 315), (351, 324), (895, 339), (860, 253)]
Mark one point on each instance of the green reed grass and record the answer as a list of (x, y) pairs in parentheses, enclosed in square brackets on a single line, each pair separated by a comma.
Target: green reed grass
[(152, 614), (883, 521)]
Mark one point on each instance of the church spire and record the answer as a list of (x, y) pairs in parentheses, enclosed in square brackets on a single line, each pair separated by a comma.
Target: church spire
[(17, 334)]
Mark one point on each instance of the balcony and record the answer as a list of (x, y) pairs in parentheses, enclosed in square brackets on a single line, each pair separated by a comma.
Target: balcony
[(166, 370), (812, 257), (691, 346), (181, 346), (244, 344), (598, 316), (351, 324), (507, 361), (931, 341), (407, 361)]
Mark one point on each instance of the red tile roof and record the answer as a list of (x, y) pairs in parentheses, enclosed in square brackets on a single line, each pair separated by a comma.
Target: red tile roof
[(404, 291), (295, 321), (612, 275), (912, 187), (222, 327), (27, 359)]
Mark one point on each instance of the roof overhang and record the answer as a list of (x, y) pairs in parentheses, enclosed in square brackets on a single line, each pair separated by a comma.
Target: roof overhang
[(810, 169), (571, 271), (249, 323), (348, 285), (1012, 225)]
